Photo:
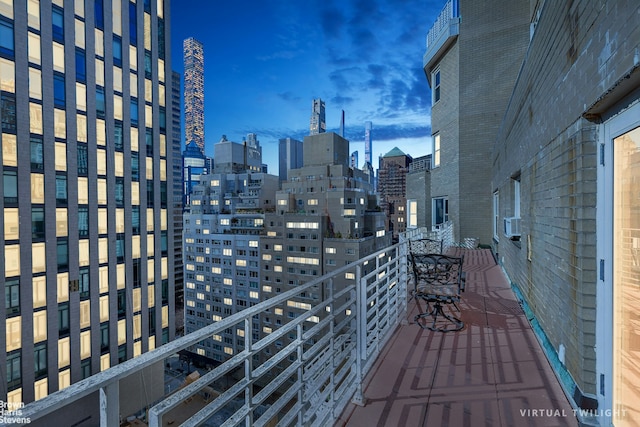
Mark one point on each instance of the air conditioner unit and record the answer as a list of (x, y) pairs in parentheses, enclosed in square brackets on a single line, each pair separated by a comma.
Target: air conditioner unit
[(512, 227)]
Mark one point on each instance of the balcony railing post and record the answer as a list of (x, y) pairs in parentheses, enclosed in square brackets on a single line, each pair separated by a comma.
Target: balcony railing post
[(110, 404), (300, 354), (248, 369), (361, 334)]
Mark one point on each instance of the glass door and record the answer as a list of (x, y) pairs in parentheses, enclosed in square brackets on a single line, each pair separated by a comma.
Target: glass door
[(626, 279)]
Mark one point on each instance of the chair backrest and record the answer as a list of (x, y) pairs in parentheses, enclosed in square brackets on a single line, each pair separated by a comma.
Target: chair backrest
[(425, 246), (437, 269)]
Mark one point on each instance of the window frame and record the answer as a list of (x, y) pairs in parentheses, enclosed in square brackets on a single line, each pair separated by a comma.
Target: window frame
[(436, 79)]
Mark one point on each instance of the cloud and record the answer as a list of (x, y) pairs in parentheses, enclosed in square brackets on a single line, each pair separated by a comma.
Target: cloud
[(289, 96)]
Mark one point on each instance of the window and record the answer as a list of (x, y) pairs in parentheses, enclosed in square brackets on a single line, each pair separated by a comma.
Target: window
[(122, 303), (149, 142), (10, 186), (161, 49), (104, 336), (133, 24), (63, 318), (8, 112), (147, 64), (164, 243), (37, 154), (37, 223), (150, 193), (100, 104), (435, 77), (57, 18), (119, 191), (122, 353), (83, 161), (118, 136), (83, 221), (440, 210), (120, 247), (6, 38), (135, 166), (516, 196), (436, 150), (85, 368), (152, 321), (40, 360), (165, 292), (135, 219), (117, 51), (58, 90), (62, 254), (61, 189), (162, 117), (134, 112), (81, 66), (14, 370), (83, 282), (412, 213), (99, 14), (163, 194), (12, 297)]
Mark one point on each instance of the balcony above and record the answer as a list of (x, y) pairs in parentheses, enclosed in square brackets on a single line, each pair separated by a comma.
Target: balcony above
[(443, 33)]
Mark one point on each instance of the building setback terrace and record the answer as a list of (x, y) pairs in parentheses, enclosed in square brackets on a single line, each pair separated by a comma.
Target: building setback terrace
[(357, 358), (491, 373)]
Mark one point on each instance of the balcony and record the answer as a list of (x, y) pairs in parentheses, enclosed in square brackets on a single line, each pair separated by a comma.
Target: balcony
[(442, 34), (353, 358)]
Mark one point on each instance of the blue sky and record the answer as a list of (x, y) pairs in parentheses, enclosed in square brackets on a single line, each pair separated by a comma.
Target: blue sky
[(265, 61)]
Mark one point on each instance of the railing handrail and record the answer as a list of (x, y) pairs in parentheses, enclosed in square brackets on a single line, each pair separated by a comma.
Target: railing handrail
[(40, 408)]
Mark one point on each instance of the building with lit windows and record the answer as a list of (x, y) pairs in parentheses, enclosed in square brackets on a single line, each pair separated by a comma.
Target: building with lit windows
[(222, 234), (86, 172), (326, 217), (392, 188), (317, 123), (194, 92)]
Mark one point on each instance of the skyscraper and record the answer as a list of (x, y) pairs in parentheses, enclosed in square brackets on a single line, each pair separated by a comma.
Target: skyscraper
[(289, 156), (318, 122), (367, 143), (194, 92), (87, 240)]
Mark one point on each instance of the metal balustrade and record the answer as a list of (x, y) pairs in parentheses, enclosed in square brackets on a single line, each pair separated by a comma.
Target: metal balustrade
[(304, 372)]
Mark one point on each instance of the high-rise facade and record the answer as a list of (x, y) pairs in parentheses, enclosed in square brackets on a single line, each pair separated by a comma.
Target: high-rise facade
[(222, 232), (177, 194), (87, 241), (368, 145), (392, 187), (318, 123), (193, 92), (289, 156)]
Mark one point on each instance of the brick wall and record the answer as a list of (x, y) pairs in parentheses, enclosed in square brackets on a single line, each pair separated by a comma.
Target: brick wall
[(578, 51)]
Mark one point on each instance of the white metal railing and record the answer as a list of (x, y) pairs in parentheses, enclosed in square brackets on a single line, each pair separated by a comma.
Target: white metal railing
[(318, 368), (450, 11)]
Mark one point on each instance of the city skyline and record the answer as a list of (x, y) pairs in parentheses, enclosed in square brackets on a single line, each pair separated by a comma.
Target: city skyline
[(269, 70)]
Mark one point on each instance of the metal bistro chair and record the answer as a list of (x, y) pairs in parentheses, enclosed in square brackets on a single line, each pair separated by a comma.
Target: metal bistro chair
[(439, 281), (425, 246)]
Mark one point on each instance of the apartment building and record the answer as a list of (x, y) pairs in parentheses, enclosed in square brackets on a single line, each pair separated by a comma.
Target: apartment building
[(326, 216), (222, 235), (392, 188), (471, 67), (88, 251)]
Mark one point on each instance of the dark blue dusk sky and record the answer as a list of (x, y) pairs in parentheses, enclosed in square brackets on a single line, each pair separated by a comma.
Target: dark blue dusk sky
[(265, 61)]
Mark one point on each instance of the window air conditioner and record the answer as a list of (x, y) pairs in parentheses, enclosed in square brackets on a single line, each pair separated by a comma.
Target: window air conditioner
[(512, 227)]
